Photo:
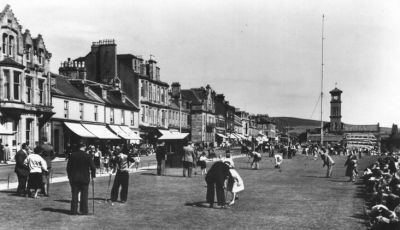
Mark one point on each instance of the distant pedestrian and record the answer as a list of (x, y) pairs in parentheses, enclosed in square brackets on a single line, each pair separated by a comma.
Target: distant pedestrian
[(202, 163), (328, 161), (256, 159), (37, 165), (215, 180), (22, 170), (188, 159), (278, 160), (351, 166), (161, 153), (79, 168), (7, 153), (122, 176)]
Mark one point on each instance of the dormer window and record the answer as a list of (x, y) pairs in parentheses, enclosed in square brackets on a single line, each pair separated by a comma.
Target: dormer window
[(28, 51), (104, 93), (40, 56), (11, 46), (5, 41)]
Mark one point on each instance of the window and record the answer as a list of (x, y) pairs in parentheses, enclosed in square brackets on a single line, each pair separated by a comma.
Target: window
[(123, 117), (143, 113), (150, 92), (142, 90), (40, 56), (16, 85), (5, 41), (111, 116), (132, 119), (41, 91), (11, 46), (66, 109), (81, 111), (28, 52), (6, 84), (28, 89), (95, 112), (163, 95), (28, 130)]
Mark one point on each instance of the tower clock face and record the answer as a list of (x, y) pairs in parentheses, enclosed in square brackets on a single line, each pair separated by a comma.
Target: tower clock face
[(336, 97)]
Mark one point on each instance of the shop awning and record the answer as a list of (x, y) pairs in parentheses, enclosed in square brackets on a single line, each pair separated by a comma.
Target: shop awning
[(4, 131), (172, 135), (222, 135), (232, 136), (132, 135), (100, 131), (117, 129), (241, 136), (79, 130)]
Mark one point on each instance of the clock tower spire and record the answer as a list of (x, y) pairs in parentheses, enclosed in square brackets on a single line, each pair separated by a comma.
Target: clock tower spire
[(336, 110)]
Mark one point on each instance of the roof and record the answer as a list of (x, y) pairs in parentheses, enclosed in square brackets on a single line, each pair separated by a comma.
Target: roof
[(115, 101), (327, 137), (189, 95), (10, 62), (361, 128), (336, 90), (64, 88)]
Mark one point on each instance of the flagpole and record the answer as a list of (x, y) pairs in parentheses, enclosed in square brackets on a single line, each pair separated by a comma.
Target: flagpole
[(322, 78)]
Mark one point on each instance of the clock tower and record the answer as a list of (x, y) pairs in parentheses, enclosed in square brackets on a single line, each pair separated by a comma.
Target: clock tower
[(336, 111)]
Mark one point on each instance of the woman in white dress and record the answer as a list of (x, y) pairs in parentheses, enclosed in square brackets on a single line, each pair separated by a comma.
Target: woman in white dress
[(235, 184)]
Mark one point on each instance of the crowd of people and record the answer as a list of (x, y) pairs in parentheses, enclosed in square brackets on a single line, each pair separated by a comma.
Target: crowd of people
[(382, 181)]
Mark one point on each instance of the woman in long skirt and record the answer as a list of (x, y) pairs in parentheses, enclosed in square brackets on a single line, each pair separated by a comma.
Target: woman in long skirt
[(36, 166)]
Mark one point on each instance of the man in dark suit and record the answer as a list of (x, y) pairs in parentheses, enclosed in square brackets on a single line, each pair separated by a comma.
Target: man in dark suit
[(161, 152), (21, 169), (215, 179), (78, 167)]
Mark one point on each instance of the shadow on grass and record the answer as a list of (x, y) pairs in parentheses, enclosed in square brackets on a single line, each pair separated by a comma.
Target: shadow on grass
[(63, 201), (199, 204), (62, 211)]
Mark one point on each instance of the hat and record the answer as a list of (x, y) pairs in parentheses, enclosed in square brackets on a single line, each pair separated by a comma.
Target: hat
[(38, 150)]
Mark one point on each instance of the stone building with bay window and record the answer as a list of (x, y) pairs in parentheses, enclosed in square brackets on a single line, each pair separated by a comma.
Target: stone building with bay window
[(202, 114), (25, 104)]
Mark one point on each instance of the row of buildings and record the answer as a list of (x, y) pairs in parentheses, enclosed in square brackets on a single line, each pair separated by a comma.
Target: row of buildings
[(105, 96)]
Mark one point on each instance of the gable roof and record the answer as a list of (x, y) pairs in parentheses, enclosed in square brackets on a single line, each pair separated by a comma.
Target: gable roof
[(64, 88), (189, 95)]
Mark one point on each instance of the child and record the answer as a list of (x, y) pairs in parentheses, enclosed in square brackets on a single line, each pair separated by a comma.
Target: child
[(235, 184), (106, 162), (136, 158), (278, 161), (256, 159), (202, 163)]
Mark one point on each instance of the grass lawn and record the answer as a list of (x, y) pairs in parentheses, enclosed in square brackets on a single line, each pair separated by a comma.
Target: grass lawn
[(298, 197)]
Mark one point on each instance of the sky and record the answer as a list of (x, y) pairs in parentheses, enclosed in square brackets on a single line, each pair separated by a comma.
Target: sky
[(264, 56)]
